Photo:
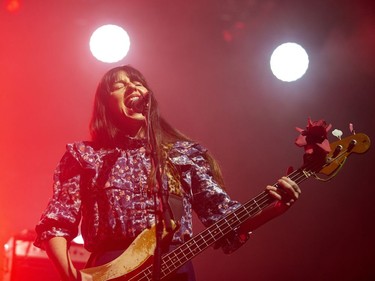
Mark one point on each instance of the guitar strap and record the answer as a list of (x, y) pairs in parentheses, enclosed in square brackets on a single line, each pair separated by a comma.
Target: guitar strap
[(176, 206), (175, 192)]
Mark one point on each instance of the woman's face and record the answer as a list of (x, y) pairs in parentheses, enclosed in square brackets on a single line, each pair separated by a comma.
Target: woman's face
[(123, 91)]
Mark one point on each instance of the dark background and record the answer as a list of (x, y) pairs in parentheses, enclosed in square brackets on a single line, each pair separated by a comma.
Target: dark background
[(218, 90)]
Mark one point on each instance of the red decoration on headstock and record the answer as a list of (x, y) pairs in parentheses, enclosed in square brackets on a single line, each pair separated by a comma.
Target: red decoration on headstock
[(314, 137)]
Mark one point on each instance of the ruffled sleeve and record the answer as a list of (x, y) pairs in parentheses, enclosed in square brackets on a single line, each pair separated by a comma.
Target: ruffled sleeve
[(209, 199), (62, 216)]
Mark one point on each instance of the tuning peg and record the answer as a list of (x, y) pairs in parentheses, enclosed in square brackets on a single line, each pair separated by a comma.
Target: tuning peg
[(337, 133), (351, 128)]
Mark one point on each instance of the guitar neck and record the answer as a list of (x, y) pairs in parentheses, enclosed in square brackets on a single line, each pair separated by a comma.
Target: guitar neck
[(187, 251)]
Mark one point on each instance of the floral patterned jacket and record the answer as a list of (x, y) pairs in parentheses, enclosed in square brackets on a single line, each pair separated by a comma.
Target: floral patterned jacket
[(105, 191)]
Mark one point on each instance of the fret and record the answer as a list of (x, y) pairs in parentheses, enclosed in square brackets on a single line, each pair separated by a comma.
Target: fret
[(196, 246), (256, 204), (235, 217), (225, 223), (177, 260), (183, 253), (209, 239), (193, 247), (166, 269), (146, 276), (217, 231), (201, 238), (188, 253), (173, 261), (248, 210), (150, 277), (169, 259)]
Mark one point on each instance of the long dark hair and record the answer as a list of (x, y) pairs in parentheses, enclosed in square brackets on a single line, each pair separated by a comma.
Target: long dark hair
[(105, 133)]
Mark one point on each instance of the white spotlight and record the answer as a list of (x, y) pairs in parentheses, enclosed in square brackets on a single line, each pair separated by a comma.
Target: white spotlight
[(109, 43), (289, 62)]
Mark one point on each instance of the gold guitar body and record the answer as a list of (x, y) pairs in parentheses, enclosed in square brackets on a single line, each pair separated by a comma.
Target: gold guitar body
[(136, 255)]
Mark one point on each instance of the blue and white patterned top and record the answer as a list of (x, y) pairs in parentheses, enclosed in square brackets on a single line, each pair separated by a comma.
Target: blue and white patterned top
[(108, 190)]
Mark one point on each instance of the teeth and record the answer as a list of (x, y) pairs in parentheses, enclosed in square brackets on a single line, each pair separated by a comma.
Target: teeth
[(131, 99)]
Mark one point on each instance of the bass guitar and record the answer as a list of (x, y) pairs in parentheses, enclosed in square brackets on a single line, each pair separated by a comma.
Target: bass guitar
[(134, 263)]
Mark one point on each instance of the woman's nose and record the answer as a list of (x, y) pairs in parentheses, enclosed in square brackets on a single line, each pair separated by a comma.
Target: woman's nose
[(130, 87)]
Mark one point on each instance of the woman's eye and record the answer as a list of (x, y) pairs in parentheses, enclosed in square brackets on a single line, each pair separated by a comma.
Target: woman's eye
[(117, 86), (137, 83)]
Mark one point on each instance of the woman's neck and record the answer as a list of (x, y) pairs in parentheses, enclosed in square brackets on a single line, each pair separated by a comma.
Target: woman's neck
[(135, 129)]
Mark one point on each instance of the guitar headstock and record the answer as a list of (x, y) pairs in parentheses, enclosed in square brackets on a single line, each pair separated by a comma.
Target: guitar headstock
[(323, 157), (341, 150)]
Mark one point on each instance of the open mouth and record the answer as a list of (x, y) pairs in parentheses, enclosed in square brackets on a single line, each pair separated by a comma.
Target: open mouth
[(137, 102), (132, 99)]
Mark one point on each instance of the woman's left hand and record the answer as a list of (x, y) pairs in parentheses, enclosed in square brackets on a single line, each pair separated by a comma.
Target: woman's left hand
[(287, 191)]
